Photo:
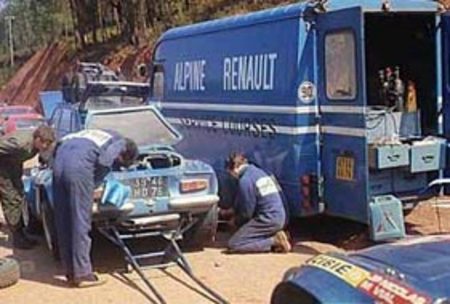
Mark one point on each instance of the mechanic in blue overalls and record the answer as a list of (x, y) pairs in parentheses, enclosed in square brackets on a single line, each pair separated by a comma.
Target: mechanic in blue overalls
[(81, 162), (258, 210)]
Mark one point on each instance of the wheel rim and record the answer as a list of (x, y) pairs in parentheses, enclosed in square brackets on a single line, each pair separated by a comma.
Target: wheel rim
[(47, 233)]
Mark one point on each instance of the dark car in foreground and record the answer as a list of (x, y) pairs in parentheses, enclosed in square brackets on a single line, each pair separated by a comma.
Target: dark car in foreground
[(415, 270)]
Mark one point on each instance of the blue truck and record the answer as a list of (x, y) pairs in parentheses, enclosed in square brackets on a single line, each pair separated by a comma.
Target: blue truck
[(345, 102)]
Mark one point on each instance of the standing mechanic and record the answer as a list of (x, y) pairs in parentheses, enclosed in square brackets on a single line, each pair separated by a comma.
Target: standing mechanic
[(15, 149), (258, 208), (82, 160)]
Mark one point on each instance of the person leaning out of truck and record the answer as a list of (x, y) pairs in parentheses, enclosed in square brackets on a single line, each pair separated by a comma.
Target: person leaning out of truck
[(258, 210)]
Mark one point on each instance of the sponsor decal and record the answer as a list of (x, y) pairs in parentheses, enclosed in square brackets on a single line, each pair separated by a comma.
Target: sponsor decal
[(348, 272), (390, 291)]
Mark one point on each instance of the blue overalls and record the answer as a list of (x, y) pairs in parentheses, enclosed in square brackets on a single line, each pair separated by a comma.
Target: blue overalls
[(81, 162), (259, 209)]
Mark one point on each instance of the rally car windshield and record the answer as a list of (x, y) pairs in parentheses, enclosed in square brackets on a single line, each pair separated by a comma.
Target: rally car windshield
[(145, 126)]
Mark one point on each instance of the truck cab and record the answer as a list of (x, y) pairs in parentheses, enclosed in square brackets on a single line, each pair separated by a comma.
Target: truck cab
[(345, 102)]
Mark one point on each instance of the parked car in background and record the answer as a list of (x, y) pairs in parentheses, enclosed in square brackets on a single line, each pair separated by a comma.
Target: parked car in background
[(90, 72), (6, 111), (17, 113), (415, 270), (98, 95), (22, 122)]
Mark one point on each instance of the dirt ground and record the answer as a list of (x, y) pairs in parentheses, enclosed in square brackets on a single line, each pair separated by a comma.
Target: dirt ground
[(239, 278)]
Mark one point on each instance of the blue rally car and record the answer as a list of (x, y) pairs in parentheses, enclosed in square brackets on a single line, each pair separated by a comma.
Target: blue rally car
[(412, 271), (162, 181)]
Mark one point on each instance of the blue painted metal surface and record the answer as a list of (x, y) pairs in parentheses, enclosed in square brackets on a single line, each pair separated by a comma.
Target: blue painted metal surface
[(218, 108), (343, 144), (422, 264), (49, 101)]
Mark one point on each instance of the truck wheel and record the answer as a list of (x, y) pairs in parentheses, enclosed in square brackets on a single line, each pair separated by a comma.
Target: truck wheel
[(203, 231), (48, 223), (9, 272)]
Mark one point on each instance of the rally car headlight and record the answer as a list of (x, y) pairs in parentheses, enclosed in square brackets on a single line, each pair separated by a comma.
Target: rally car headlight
[(193, 185)]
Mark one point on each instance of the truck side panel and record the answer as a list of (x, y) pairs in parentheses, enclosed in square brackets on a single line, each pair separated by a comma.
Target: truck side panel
[(236, 89)]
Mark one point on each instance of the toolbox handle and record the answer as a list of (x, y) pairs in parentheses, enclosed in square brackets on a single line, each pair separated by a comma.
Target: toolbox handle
[(427, 158), (393, 157)]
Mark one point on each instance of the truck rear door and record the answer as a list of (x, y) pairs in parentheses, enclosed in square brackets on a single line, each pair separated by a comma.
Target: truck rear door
[(342, 100)]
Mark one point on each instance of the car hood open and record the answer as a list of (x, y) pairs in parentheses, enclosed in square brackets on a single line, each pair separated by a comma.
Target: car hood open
[(144, 124)]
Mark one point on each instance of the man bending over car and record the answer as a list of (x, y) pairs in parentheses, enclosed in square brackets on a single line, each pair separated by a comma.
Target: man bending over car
[(82, 160)]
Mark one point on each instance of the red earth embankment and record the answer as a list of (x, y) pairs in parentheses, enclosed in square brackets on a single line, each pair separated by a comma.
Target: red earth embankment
[(44, 70)]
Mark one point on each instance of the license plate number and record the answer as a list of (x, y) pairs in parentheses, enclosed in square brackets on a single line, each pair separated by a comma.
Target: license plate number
[(149, 187), (345, 167)]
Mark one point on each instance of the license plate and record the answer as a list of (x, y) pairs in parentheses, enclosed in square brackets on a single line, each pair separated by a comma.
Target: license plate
[(345, 167), (148, 187)]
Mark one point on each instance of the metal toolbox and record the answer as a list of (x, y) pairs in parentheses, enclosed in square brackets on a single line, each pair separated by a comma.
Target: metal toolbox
[(427, 155), (405, 181), (380, 182), (388, 156)]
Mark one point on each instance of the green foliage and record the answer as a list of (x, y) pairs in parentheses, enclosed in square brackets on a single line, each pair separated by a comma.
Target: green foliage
[(84, 23)]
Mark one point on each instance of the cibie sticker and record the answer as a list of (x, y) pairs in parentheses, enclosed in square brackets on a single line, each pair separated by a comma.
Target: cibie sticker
[(306, 92), (351, 274)]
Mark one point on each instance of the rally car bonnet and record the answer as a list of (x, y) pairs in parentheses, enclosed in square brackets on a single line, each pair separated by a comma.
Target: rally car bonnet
[(424, 260), (144, 124)]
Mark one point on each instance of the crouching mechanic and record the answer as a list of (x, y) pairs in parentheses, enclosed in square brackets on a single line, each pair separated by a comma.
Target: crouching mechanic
[(15, 149), (258, 210), (82, 160)]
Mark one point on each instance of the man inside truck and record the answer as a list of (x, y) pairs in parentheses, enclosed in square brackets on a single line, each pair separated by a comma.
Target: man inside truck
[(258, 210)]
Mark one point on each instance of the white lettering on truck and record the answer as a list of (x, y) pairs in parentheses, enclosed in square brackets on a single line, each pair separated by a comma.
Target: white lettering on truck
[(190, 76), (249, 73)]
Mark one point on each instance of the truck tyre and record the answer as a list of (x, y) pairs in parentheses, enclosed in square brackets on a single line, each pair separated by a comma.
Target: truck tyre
[(203, 231), (48, 223), (9, 272)]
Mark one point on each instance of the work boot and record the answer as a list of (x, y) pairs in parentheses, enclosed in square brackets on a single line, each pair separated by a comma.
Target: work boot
[(281, 242), (91, 280), (22, 241)]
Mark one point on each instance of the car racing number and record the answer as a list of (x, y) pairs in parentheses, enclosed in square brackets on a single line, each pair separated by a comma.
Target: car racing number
[(345, 167)]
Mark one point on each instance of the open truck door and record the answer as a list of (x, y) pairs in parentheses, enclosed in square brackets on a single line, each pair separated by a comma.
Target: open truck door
[(445, 40), (342, 101)]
